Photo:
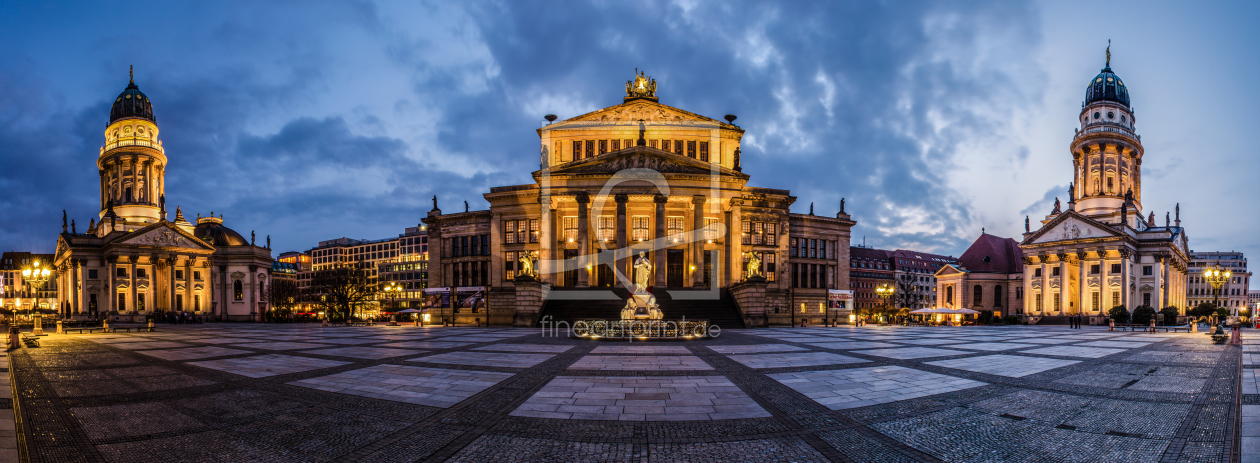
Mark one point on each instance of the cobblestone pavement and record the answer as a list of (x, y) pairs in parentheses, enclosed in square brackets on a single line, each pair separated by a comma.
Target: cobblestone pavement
[(305, 393)]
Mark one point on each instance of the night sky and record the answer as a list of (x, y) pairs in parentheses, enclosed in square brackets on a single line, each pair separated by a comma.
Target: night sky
[(310, 121)]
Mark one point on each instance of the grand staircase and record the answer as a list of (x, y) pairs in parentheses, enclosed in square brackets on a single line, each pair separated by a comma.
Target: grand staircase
[(720, 312)]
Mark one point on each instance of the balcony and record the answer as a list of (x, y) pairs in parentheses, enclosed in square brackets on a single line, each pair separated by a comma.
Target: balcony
[(133, 141), (1107, 129)]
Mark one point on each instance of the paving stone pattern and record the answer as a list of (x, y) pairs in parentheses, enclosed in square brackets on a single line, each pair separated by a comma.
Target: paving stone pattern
[(305, 393)]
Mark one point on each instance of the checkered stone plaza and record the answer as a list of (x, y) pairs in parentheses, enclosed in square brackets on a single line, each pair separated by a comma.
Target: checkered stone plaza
[(306, 393)]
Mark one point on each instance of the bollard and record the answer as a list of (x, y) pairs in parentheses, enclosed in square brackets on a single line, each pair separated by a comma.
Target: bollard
[(105, 325), (1111, 325), (59, 329), (325, 322), (13, 338), (150, 325), (38, 330)]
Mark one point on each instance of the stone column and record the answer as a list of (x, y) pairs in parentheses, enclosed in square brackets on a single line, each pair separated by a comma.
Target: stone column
[(1124, 279), (110, 292), (1161, 275), (1167, 301), (584, 249), (1065, 283), (1046, 303), (1104, 288), (189, 305), (621, 251), (735, 239), (221, 310), (658, 255), (547, 241), (1082, 287), (254, 294), (1029, 303), (697, 246), (131, 276), (170, 296), (76, 275)]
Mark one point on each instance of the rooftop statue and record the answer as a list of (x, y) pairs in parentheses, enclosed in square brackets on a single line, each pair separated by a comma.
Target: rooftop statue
[(641, 87)]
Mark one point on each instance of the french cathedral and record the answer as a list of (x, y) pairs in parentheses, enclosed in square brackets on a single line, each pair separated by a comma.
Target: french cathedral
[(1102, 248), (132, 262)]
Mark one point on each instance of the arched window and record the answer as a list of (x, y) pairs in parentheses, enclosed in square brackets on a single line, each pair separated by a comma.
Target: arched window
[(238, 291), (997, 296), (977, 296)]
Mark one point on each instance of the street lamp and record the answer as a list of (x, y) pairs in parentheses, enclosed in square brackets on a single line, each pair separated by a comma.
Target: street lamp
[(1217, 277), (35, 276), (884, 290), (392, 291)]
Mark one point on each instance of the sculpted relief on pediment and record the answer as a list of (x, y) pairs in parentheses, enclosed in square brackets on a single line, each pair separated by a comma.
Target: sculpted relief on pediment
[(164, 237), (638, 112)]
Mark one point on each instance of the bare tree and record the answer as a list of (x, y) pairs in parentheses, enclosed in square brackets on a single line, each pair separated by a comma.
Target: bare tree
[(342, 291), (285, 296), (908, 293)]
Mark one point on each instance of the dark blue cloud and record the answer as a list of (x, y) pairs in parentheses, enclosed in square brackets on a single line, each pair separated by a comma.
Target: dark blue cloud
[(315, 120)]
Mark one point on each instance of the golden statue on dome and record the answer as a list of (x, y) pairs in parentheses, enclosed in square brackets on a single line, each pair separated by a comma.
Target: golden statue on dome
[(641, 87)]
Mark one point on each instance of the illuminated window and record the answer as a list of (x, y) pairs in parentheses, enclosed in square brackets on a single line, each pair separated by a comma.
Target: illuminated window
[(654, 143), (792, 249), (1096, 299), (674, 226), (607, 231), (691, 149), (1058, 305), (533, 231), (603, 146), (639, 227), (509, 264), (616, 145), (590, 148), (570, 228), (704, 151), (1115, 298), (666, 145), (238, 291), (710, 229), (745, 232), (678, 147)]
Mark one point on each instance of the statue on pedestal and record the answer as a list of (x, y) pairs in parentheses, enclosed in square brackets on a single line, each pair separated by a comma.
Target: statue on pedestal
[(754, 265), (643, 272), (527, 264)]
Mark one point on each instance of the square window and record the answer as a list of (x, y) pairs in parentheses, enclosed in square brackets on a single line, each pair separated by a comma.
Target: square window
[(1094, 269), (1054, 271), (92, 274), (1115, 268), (1148, 270)]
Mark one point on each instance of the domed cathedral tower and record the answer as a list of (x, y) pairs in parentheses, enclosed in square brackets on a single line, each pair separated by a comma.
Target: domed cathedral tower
[(132, 164), (1106, 152), (1102, 252)]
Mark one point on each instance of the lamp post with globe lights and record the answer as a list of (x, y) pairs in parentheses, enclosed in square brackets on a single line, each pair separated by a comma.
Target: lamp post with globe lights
[(1217, 278), (35, 276), (392, 290), (884, 291)]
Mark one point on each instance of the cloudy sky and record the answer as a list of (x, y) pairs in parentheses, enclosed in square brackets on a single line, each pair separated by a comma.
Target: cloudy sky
[(309, 121)]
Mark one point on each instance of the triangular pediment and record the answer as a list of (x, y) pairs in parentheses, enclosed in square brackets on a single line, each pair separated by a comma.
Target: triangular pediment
[(633, 111), (1071, 226), (642, 157), (163, 235), (949, 269)]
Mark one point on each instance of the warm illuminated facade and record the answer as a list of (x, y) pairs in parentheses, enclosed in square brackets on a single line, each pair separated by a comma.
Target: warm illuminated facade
[(641, 177), (135, 262), (1101, 251)]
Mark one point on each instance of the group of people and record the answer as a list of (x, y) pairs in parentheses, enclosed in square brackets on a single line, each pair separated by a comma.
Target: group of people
[(176, 318), (1075, 321)]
